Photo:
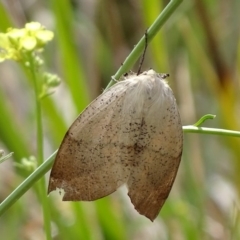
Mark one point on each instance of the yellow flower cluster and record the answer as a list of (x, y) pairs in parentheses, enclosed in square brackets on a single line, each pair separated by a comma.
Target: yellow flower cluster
[(16, 42)]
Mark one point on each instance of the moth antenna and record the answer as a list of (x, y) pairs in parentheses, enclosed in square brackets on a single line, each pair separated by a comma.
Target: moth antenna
[(144, 52), (165, 75)]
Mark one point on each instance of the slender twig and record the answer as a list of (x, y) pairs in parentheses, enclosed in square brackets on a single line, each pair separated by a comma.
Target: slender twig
[(212, 131), (152, 31), (203, 119), (27, 184), (42, 185), (6, 157)]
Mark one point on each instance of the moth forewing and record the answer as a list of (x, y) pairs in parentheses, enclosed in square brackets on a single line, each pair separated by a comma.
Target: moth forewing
[(84, 167), (130, 134)]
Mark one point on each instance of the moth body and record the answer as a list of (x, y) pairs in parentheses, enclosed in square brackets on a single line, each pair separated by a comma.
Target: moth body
[(131, 134)]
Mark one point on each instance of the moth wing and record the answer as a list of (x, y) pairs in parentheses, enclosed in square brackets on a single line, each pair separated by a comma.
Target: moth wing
[(89, 162), (157, 161)]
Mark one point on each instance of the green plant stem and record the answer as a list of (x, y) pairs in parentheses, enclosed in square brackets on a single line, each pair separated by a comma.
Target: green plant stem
[(203, 119), (27, 184), (152, 31), (213, 131), (42, 187), (6, 157)]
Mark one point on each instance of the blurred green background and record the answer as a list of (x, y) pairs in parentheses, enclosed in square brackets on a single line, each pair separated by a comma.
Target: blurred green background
[(199, 47)]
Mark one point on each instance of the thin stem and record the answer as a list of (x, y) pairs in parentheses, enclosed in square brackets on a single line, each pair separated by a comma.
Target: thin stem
[(152, 31), (213, 131), (6, 157), (203, 119), (27, 184), (42, 186)]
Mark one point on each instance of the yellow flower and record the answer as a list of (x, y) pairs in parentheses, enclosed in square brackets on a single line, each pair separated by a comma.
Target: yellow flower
[(15, 42)]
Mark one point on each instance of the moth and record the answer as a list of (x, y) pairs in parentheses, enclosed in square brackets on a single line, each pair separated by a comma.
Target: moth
[(131, 134)]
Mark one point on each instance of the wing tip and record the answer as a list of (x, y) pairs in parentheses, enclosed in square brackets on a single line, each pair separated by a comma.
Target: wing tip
[(147, 207)]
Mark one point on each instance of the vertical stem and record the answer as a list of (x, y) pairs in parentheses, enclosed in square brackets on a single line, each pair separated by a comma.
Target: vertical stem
[(41, 186), (151, 32)]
